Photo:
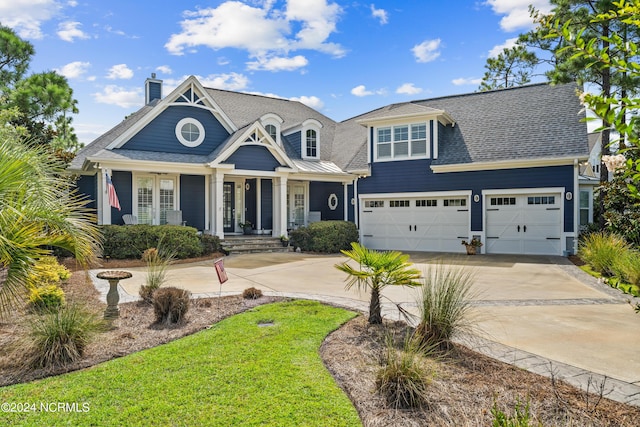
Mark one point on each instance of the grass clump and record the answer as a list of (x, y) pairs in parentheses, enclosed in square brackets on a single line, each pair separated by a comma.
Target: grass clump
[(406, 374), (158, 261), (170, 305), (444, 304), (59, 337), (601, 250), (251, 293), (627, 267), (521, 416)]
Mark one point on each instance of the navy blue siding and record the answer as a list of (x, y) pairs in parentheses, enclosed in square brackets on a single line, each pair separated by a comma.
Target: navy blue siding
[(88, 186), (251, 202), (122, 182), (266, 203), (155, 90), (253, 157), (416, 176), (160, 134), (192, 200), (295, 139), (319, 193)]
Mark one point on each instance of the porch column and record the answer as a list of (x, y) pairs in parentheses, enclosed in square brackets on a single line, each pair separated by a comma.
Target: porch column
[(104, 214), (280, 206), (217, 211), (346, 200)]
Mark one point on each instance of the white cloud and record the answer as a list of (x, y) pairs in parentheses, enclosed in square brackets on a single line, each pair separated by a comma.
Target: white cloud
[(361, 90), (164, 69), (262, 32), (26, 16), (408, 89), (517, 12), (462, 81), (72, 3), (116, 95), (379, 14), (227, 81), (310, 101), (427, 51), (120, 71), (497, 50), (68, 31), (278, 63), (74, 70)]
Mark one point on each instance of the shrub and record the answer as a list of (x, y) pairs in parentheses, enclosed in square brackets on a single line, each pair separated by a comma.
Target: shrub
[(251, 293), (59, 337), (170, 305), (130, 241), (46, 298), (601, 250), (210, 244), (520, 418), (444, 304), (47, 271), (627, 267), (405, 374), (325, 236)]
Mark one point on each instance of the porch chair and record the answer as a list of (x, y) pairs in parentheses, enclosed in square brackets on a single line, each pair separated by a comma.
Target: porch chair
[(129, 219), (174, 217)]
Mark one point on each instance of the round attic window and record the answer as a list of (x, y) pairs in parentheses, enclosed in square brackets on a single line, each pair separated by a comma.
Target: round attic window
[(190, 132)]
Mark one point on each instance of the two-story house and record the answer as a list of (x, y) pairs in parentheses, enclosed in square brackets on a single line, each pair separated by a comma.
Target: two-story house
[(416, 176)]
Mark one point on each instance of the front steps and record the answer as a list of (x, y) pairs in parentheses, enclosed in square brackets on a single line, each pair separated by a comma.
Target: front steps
[(246, 244)]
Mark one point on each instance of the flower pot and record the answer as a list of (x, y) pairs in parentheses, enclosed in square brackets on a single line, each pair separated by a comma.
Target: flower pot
[(471, 250)]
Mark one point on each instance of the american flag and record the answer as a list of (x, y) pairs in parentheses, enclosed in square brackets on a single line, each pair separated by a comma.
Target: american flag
[(113, 197)]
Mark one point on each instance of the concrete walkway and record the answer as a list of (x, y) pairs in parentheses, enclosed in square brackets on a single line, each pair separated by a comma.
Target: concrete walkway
[(542, 314)]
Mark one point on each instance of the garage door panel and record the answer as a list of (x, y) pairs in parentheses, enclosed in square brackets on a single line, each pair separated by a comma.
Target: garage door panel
[(524, 224)]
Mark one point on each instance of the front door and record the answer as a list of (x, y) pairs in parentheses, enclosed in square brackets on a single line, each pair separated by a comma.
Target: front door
[(228, 204)]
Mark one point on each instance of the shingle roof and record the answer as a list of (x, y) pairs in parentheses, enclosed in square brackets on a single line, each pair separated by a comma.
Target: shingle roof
[(527, 122)]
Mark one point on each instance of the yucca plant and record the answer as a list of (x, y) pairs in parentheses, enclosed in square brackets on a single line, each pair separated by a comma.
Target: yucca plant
[(158, 261), (444, 304), (377, 270), (59, 337), (405, 374), (601, 250)]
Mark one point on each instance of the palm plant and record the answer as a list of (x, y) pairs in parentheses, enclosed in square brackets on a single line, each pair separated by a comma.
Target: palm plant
[(39, 209), (377, 270)]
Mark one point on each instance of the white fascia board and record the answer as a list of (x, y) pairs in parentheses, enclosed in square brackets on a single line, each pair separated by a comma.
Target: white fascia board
[(360, 172), (506, 164), (441, 115), (519, 191), (323, 177), (152, 166), (452, 193)]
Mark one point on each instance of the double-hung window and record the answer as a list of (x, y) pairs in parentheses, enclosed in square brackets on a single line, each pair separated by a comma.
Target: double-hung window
[(401, 141), (312, 143)]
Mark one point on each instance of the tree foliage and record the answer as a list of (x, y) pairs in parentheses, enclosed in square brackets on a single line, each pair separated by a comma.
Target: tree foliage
[(512, 67), (44, 100), (39, 210)]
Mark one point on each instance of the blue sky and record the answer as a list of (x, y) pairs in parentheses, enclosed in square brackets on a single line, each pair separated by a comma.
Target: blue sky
[(340, 57)]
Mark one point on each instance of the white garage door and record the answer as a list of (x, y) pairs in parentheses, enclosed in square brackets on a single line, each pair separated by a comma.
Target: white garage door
[(523, 224), (415, 223)]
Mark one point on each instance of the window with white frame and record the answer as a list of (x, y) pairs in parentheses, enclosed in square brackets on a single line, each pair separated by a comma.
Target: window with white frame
[(272, 130), (401, 141), (585, 208), (311, 143)]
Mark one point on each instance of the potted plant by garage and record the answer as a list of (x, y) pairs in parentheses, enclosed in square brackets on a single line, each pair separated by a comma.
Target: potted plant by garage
[(472, 246), (246, 227)]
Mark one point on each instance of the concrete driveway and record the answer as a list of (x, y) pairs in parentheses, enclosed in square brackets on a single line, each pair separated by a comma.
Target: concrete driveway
[(540, 313)]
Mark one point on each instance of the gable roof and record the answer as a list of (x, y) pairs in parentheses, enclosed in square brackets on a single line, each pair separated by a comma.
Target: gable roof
[(538, 121)]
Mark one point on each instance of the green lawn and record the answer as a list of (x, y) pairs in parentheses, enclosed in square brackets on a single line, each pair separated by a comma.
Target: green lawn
[(236, 373)]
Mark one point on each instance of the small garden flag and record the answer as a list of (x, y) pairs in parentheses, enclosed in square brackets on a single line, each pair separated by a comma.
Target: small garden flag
[(222, 275), (113, 197)]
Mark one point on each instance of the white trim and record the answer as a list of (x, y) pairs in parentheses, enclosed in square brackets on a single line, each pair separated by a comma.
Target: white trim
[(435, 141), (392, 142), (504, 164), (155, 209), (520, 191), (182, 139), (416, 195), (315, 126), (145, 166), (439, 115)]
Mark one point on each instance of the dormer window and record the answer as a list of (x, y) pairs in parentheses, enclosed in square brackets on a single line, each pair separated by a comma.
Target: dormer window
[(401, 141), (311, 143), (273, 126)]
